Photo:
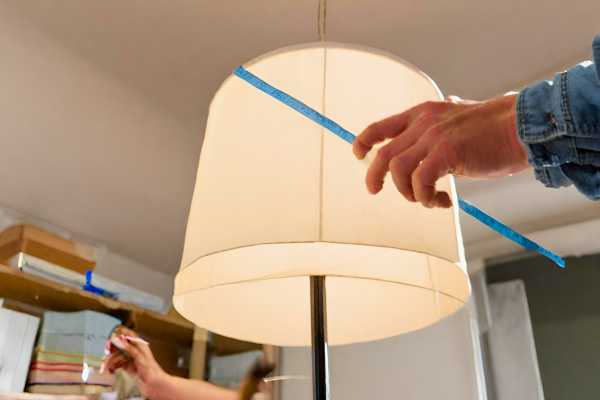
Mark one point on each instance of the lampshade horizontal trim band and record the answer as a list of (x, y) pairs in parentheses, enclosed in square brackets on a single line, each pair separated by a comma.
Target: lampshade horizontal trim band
[(262, 262), (460, 263), (249, 312), (269, 278)]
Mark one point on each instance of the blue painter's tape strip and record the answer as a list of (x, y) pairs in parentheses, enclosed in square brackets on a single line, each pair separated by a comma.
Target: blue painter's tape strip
[(89, 287), (349, 137), (507, 232), (295, 104)]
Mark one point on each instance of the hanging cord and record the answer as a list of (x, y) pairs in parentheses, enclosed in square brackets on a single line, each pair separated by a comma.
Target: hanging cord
[(322, 20)]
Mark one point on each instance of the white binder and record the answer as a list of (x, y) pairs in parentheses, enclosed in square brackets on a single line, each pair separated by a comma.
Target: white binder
[(17, 338)]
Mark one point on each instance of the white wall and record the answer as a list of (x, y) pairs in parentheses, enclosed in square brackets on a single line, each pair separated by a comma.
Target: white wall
[(435, 363), (85, 151), (136, 274)]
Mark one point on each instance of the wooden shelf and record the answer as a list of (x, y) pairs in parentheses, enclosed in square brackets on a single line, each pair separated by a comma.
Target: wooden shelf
[(43, 293), (165, 332)]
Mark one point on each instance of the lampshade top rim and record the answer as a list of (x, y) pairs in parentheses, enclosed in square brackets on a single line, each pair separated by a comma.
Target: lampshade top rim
[(343, 46)]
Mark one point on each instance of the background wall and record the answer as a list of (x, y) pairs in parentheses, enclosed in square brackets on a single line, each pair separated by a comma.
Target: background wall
[(438, 362), (564, 311)]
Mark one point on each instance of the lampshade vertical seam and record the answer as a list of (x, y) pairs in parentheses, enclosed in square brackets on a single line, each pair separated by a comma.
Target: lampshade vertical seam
[(434, 286), (322, 142)]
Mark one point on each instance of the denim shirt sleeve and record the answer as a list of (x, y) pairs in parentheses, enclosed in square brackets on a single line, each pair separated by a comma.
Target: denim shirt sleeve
[(559, 123)]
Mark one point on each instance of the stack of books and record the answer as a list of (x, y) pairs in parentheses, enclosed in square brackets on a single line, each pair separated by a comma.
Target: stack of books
[(68, 355)]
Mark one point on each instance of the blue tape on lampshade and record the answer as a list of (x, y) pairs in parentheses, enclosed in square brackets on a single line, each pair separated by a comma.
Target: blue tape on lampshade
[(296, 104), (507, 232), (349, 137)]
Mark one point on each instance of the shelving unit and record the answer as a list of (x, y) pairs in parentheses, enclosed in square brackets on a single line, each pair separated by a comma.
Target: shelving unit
[(48, 295), (45, 294)]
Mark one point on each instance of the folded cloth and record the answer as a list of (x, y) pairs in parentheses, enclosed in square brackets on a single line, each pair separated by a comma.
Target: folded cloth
[(70, 349), (67, 389), (86, 376), (42, 356)]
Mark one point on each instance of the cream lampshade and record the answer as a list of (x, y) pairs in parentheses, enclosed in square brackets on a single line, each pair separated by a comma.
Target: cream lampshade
[(278, 199)]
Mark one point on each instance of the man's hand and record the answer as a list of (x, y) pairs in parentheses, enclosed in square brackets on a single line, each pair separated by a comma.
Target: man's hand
[(433, 139)]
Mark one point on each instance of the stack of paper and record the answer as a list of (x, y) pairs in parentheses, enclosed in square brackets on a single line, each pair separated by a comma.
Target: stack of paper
[(126, 294), (70, 350)]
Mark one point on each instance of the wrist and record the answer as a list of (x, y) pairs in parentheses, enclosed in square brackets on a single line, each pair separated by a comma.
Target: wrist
[(512, 131), (160, 387)]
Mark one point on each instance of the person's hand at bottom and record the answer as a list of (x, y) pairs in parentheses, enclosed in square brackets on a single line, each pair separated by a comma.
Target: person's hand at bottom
[(154, 383), (137, 359)]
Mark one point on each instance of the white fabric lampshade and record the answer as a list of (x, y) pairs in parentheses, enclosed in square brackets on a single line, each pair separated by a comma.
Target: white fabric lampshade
[(278, 199)]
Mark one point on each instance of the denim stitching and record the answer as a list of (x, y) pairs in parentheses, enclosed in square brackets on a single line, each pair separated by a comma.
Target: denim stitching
[(564, 102), (575, 153), (523, 128), (586, 130), (521, 114), (542, 137)]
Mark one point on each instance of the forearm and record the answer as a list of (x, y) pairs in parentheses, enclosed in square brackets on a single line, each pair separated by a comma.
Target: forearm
[(175, 388)]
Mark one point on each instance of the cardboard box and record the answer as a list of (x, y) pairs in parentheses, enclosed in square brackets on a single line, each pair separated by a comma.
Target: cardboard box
[(46, 246), (171, 356)]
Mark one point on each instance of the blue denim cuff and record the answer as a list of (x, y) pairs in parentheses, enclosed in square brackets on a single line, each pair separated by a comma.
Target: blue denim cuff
[(552, 177), (540, 126), (539, 112), (586, 179), (559, 124)]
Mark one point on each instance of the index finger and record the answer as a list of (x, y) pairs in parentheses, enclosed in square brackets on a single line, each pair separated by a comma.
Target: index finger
[(140, 347), (387, 128)]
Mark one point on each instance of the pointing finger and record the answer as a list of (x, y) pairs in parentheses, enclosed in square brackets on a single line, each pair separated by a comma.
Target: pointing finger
[(385, 129)]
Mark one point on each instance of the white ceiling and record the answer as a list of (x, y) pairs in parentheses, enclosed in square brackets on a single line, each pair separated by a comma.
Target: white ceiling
[(102, 103)]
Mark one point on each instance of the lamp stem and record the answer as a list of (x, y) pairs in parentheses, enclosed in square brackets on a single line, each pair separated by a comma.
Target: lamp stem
[(318, 304)]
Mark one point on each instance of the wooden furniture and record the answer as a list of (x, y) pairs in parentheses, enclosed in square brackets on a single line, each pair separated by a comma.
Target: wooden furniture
[(48, 295), (46, 246), (45, 294)]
